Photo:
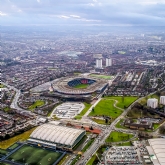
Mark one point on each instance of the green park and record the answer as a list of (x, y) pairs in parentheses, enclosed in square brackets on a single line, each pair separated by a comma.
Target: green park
[(123, 101), (118, 136), (106, 107), (87, 106), (36, 104)]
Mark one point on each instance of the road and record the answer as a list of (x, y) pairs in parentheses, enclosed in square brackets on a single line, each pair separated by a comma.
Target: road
[(14, 104), (95, 146)]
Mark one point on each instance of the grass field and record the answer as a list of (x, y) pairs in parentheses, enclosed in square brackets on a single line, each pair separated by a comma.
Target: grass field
[(13, 146), (101, 76), (99, 121), (22, 137), (4, 163), (156, 125), (34, 155), (38, 103), (87, 145), (121, 52), (87, 106), (106, 107), (2, 86), (3, 152), (81, 86), (118, 125), (118, 136), (90, 162), (123, 102)]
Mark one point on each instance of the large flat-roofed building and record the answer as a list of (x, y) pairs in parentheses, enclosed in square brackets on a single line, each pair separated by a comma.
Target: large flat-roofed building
[(162, 100), (156, 151), (57, 136), (153, 103)]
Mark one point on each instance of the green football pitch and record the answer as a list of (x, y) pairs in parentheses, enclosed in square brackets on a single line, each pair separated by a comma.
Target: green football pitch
[(81, 86), (34, 156)]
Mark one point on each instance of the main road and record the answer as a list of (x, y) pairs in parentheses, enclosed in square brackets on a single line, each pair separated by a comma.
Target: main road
[(98, 142), (14, 104)]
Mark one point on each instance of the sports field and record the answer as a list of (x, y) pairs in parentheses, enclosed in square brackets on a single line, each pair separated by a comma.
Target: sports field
[(34, 155), (81, 86), (101, 76), (123, 102), (38, 103), (106, 107)]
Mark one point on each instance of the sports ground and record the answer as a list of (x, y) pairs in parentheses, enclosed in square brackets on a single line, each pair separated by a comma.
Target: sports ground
[(81, 86), (35, 156)]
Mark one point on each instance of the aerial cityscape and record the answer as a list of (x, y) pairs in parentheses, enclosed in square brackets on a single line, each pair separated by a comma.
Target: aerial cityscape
[(88, 93)]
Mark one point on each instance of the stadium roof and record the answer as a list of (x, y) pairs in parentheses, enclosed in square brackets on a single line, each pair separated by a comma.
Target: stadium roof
[(157, 151), (57, 134)]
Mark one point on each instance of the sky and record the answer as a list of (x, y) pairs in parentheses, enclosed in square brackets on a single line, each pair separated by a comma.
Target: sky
[(83, 12)]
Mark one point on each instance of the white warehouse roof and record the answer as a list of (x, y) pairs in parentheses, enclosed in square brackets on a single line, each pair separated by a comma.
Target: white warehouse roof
[(57, 134), (158, 147)]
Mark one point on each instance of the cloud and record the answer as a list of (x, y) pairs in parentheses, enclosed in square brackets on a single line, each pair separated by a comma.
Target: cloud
[(128, 12), (2, 14), (75, 16)]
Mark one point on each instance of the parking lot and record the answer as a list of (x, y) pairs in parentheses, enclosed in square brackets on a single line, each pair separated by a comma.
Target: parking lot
[(122, 155)]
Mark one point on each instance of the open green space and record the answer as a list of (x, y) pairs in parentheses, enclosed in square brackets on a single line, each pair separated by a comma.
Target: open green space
[(87, 145), (13, 146), (3, 152), (75, 159), (99, 121), (121, 52), (81, 86), (38, 103), (4, 163), (6, 109), (118, 136), (156, 125), (120, 124), (22, 137), (40, 156), (106, 107), (87, 106), (101, 76), (91, 161), (2, 86), (123, 101)]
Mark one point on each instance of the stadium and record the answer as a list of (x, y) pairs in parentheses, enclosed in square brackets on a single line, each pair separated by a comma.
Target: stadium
[(79, 87)]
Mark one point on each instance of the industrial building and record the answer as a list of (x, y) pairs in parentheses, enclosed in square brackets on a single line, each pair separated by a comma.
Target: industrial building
[(156, 151), (52, 135), (153, 103)]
